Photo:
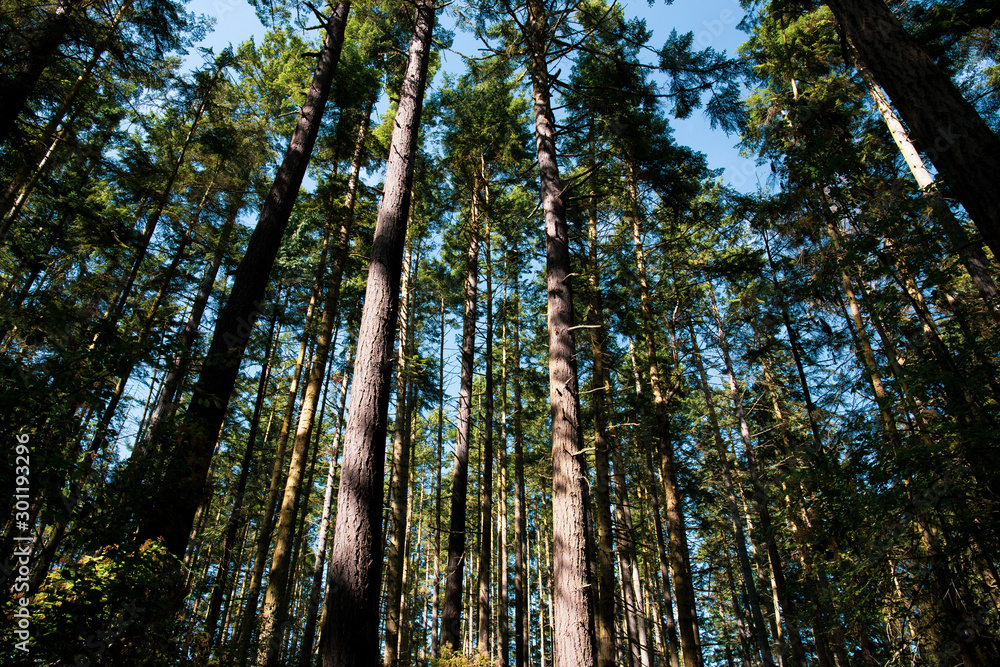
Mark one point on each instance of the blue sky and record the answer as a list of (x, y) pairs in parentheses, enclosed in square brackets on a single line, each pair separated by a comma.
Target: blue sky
[(714, 23)]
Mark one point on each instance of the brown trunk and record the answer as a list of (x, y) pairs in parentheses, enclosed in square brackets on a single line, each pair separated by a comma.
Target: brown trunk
[(683, 586), (350, 629), (486, 458), (669, 633), (944, 125), (400, 479), (436, 602), (605, 601), (309, 634), (275, 600), (522, 622), (221, 578), (503, 620), (178, 499), (573, 612), (451, 629)]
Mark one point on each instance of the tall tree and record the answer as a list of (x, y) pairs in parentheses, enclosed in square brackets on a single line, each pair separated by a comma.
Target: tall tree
[(350, 630)]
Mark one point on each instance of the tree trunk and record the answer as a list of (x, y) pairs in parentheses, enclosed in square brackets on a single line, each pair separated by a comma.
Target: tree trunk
[(165, 405), (350, 632), (522, 598), (400, 478), (173, 514), (309, 633), (739, 533), (436, 602), (573, 622), (669, 633), (486, 458), (232, 527), (683, 586), (946, 127), (605, 602), (451, 630), (970, 252)]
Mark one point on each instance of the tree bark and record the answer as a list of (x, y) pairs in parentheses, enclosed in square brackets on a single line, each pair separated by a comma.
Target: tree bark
[(679, 554), (171, 518), (573, 611), (309, 633), (350, 632), (486, 481), (944, 124), (451, 622)]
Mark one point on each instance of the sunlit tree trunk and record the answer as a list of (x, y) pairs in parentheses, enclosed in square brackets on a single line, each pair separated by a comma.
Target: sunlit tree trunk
[(573, 620), (350, 632)]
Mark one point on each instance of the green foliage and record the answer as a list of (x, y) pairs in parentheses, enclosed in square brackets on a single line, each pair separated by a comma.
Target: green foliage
[(450, 658), (113, 607)]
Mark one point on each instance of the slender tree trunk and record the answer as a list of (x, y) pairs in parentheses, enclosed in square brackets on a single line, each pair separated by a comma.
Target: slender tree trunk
[(486, 457), (180, 364), (522, 597), (943, 123), (739, 533), (400, 478), (436, 602), (670, 631), (605, 602), (452, 616), (635, 619), (177, 500), (275, 601), (309, 633), (503, 620), (969, 251), (233, 524), (350, 632), (679, 565)]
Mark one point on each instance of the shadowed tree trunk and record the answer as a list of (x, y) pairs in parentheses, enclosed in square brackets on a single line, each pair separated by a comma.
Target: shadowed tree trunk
[(350, 629), (486, 481), (944, 124), (451, 623), (177, 500), (400, 476)]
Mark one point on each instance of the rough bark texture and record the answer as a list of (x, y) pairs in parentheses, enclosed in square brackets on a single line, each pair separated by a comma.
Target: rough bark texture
[(171, 520), (350, 629), (945, 126), (309, 634), (275, 598), (573, 614)]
